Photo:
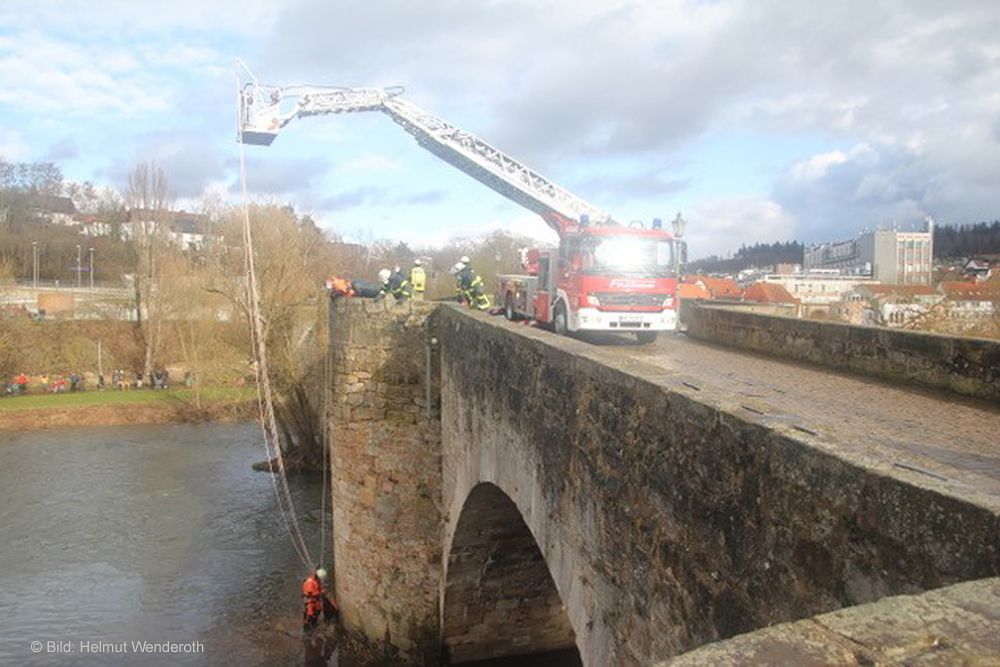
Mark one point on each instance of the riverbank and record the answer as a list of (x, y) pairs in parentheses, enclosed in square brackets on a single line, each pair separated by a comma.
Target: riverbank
[(114, 408)]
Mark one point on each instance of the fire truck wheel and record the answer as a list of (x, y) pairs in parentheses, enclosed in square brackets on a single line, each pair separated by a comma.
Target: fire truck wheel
[(508, 307), (559, 323), (645, 337)]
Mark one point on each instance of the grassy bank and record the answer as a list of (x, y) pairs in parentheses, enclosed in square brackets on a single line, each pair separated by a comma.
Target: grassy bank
[(141, 406), (132, 397)]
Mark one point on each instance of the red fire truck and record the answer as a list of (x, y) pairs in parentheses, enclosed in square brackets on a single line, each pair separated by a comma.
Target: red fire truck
[(601, 278), (605, 276)]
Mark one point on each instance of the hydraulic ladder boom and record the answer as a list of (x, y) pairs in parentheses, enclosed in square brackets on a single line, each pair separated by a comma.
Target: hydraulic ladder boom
[(261, 117)]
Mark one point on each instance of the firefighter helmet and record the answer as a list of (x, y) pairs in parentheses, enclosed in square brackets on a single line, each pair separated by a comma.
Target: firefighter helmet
[(383, 275), (465, 260)]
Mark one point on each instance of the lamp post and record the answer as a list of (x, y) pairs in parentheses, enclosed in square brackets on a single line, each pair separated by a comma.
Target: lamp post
[(91, 251), (678, 224), (78, 267)]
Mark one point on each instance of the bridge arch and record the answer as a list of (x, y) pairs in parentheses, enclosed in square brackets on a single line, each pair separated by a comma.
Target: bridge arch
[(499, 597)]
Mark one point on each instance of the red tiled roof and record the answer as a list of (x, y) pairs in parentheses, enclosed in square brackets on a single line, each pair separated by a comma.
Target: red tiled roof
[(966, 291), (768, 293), (900, 290), (692, 291), (720, 288)]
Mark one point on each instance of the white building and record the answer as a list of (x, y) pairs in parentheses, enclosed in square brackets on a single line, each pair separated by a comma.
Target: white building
[(188, 230), (889, 256), (817, 291)]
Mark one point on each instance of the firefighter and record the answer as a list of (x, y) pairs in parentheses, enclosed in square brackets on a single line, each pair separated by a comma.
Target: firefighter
[(383, 282), (399, 285), (418, 280), (313, 598), (469, 285)]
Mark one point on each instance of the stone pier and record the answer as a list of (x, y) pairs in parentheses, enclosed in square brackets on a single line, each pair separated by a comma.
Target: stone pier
[(386, 474)]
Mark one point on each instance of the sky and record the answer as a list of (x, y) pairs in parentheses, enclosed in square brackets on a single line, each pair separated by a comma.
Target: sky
[(758, 120)]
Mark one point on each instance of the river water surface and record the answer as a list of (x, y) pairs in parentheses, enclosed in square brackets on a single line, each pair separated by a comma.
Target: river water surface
[(148, 533)]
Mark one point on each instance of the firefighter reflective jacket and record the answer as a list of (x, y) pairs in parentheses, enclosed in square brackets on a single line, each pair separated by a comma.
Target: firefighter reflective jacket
[(418, 277)]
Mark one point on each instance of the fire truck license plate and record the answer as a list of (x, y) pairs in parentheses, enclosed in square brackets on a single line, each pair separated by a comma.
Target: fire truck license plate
[(630, 319)]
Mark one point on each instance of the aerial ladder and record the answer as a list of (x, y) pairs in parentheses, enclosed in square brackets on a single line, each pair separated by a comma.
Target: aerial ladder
[(556, 289)]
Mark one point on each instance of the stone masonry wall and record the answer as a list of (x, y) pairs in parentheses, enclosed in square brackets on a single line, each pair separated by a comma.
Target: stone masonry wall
[(500, 600), (967, 366), (955, 625), (668, 518), (386, 474)]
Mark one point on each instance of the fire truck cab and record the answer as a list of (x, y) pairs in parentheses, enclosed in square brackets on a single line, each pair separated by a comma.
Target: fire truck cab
[(601, 278)]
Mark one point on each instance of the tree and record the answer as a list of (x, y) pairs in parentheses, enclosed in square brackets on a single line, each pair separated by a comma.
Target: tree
[(147, 198), (291, 261)]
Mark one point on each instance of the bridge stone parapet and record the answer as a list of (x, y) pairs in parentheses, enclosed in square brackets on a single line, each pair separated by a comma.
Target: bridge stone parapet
[(955, 625), (969, 366), (566, 496)]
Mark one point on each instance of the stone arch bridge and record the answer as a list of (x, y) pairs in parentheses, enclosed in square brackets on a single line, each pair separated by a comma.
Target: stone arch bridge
[(498, 491)]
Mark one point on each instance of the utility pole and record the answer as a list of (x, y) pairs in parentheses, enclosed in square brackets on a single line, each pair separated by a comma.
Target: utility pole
[(91, 250), (34, 264), (78, 267)]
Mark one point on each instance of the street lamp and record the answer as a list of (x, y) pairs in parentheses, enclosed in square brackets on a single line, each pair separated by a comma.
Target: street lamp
[(78, 267), (91, 251), (678, 224)]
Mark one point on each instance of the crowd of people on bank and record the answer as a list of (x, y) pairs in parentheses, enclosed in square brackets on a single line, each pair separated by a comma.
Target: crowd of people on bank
[(22, 383), (406, 285), (120, 380)]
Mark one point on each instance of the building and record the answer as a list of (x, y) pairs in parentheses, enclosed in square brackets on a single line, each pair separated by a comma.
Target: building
[(895, 305), (817, 291), (978, 270), (724, 289), (55, 209), (188, 230), (969, 302), (772, 298), (889, 256)]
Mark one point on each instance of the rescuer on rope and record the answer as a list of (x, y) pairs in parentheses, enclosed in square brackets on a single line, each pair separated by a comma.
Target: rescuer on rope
[(316, 601)]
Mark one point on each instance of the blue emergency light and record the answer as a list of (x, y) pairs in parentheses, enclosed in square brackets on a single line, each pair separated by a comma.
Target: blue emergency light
[(657, 223)]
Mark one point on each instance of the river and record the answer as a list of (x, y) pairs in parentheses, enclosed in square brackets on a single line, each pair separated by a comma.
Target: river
[(148, 533), (160, 534)]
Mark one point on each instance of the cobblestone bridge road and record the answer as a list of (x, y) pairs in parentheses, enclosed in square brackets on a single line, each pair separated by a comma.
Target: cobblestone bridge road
[(917, 433)]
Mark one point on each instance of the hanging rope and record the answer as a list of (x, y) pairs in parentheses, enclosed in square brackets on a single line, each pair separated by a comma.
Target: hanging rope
[(265, 400), (326, 445)]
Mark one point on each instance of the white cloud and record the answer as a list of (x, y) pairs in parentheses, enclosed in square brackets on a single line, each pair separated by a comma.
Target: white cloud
[(369, 162), (720, 226), (13, 147), (111, 17), (39, 74), (816, 166)]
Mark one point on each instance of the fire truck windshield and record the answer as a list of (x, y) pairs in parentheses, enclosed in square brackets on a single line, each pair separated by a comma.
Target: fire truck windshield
[(628, 255)]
